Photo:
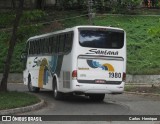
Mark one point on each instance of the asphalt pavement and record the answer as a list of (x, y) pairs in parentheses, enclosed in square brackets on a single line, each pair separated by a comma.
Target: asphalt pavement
[(124, 104)]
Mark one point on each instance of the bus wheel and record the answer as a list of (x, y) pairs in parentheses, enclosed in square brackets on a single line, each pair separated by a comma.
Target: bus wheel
[(30, 87), (57, 95), (97, 97)]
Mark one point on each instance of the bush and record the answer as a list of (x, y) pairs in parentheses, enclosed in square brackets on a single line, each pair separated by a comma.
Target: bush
[(123, 6), (32, 16), (24, 33)]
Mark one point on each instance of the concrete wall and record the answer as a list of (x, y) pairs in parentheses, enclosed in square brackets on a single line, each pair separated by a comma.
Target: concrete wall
[(147, 79), (14, 78)]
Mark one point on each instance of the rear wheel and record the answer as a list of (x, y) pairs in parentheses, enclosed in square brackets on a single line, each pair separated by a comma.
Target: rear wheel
[(56, 93), (97, 97), (30, 87)]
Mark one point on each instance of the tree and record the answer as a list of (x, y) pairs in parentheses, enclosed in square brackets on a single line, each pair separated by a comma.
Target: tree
[(40, 4), (12, 43), (13, 4)]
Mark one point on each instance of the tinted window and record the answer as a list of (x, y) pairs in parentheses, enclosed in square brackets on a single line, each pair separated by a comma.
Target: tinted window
[(41, 46), (61, 43), (46, 45), (101, 39), (38, 46), (51, 46), (31, 49), (26, 49), (68, 42)]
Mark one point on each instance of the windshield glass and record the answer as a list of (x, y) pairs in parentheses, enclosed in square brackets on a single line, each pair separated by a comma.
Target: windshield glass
[(98, 38)]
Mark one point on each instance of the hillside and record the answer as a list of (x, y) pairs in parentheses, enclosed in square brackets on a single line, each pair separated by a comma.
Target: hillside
[(143, 49)]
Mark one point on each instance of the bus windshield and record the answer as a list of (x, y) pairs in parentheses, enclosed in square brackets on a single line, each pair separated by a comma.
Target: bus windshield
[(96, 38)]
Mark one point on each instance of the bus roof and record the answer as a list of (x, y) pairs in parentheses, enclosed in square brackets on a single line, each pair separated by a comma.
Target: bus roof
[(71, 29)]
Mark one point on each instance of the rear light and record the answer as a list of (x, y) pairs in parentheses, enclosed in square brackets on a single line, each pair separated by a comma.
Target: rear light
[(74, 74), (124, 77)]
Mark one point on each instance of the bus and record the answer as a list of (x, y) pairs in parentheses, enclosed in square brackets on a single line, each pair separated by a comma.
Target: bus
[(83, 60)]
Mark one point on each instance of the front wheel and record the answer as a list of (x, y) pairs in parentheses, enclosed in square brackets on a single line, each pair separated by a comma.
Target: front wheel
[(31, 88), (57, 95), (97, 97)]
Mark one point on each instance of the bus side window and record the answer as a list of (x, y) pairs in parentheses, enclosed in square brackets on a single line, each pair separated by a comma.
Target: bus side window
[(27, 48), (52, 41), (68, 42), (46, 45), (42, 46), (38, 46), (35, 47), (31, 48), (57, 43), (50, 45), (61, 43)]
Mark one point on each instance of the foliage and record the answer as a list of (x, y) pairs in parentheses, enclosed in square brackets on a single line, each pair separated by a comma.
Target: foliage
[(7, 17), (19, 99), (154, 31), (130, 3), (123, 6), (142, 48), (71, 4), (142, 40), (4, 37), (32, 16), (117, 6), (23, 34)]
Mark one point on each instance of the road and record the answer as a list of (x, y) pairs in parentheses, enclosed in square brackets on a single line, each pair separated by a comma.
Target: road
[(124, 104)]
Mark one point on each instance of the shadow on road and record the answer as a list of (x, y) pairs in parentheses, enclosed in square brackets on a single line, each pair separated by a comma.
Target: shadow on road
[(74, 99)]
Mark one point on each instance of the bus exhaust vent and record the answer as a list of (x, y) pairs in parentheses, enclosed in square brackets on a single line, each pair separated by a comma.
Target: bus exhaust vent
[(66, 79)]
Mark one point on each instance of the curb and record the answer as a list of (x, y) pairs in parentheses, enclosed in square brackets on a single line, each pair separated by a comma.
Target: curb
[(23, 109), (145, 94)]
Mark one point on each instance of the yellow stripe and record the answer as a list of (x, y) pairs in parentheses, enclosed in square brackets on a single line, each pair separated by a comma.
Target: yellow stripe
[(41, 72), (40, 79), (109, 66)]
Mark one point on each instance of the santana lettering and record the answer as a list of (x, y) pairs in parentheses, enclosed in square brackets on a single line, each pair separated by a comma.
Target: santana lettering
[(102, 52)]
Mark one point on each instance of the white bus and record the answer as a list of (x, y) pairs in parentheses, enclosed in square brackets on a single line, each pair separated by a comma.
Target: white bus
[(89, 60)]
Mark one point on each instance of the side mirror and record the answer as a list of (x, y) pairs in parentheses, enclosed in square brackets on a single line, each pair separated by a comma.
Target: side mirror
[(23, 56)]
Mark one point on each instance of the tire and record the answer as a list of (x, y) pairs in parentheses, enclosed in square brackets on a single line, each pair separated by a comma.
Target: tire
[(30, 87), (97, 97), (57, 95)]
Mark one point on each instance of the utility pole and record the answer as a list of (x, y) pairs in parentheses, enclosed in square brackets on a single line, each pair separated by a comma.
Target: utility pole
[(90, 11)]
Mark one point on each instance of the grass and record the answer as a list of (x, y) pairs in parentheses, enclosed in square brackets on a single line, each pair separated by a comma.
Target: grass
[(143, 49), (9, 100), (142, 46)]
